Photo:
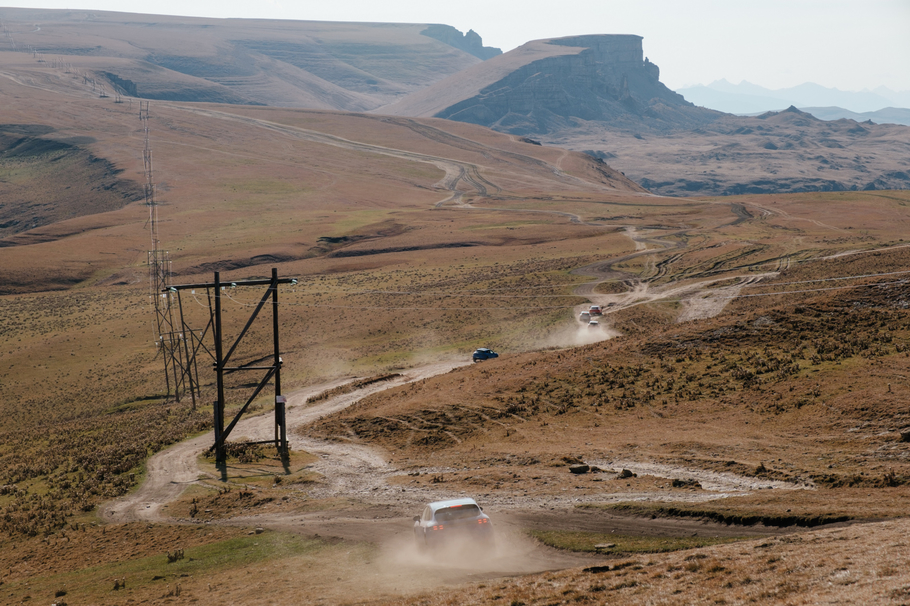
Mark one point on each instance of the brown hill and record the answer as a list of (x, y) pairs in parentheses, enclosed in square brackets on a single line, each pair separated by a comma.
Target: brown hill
[(46, 180), (597, 94), (321, 65), (424, 164), (594, 93)]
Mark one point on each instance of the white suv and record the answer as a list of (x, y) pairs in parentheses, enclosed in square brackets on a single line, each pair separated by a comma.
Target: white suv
[(452, 523)]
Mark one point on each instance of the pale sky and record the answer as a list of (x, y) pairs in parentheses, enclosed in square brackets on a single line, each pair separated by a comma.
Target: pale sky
[(845, 44)]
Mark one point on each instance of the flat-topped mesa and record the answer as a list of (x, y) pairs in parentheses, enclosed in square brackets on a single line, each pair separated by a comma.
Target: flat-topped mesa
[(614, 54), (592, 78), (617, 59)]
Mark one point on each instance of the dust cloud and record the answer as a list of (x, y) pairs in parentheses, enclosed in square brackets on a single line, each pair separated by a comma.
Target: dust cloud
[(461, 561), (578, 334)]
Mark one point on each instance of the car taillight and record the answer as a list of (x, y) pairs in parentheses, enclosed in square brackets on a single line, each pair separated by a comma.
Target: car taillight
[(438, 527)]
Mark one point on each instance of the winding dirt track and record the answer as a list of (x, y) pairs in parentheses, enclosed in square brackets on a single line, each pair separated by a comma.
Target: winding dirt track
[(170, 471), (359, 472), (699, 299), (382, 510), (351, 471)]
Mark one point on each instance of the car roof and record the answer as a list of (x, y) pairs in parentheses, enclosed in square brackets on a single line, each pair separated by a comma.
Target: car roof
[(437, 505), (483, 349)]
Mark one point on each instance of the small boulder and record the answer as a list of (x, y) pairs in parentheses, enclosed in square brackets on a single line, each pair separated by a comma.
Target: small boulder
[(625, 473), (582, 468)]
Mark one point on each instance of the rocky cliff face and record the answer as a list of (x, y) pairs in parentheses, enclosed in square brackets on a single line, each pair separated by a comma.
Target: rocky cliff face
[(470, 42), (608, 80)]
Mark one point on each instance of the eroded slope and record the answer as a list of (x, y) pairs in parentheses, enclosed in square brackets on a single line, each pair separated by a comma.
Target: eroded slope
[(344, 66), (44, 180)]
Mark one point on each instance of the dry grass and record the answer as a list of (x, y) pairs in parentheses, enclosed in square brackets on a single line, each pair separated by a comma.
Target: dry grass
[(794, 387), (808, 395)]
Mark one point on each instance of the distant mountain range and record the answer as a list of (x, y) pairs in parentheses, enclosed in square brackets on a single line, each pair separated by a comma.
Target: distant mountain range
[(882, 105)]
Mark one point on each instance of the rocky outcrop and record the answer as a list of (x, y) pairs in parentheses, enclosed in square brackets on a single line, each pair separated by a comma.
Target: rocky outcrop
[(607, 80), (470, 42)]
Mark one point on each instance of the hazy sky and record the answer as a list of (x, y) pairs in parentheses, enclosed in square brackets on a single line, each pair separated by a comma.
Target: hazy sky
[(846, 44)]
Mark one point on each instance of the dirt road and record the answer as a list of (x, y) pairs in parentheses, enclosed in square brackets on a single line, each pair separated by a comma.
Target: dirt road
[(170, 471), (380, 511), (700, 299), (383, 516)]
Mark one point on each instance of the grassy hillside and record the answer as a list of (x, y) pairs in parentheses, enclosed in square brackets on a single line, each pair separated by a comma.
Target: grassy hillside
[(800, 388), (416, 241), (319, 65)]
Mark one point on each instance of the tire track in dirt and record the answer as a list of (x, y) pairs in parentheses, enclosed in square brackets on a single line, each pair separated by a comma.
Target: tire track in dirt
[(170, 471), (699, 299), (709, 480), (456, 170)]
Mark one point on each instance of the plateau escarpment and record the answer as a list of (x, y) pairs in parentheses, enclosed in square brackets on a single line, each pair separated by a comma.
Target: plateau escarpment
[(470, 42), (550, 85)]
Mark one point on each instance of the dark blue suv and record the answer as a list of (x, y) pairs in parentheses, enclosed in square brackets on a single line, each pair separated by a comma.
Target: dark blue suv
[(484, 354)]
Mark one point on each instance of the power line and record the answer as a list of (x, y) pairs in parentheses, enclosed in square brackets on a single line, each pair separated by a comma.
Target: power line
[(171, 340)]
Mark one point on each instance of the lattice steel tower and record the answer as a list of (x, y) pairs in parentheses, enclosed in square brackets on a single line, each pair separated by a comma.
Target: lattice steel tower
[(179, 373)]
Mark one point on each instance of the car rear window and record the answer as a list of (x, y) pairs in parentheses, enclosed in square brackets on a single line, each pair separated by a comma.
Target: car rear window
[(457, 513)]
